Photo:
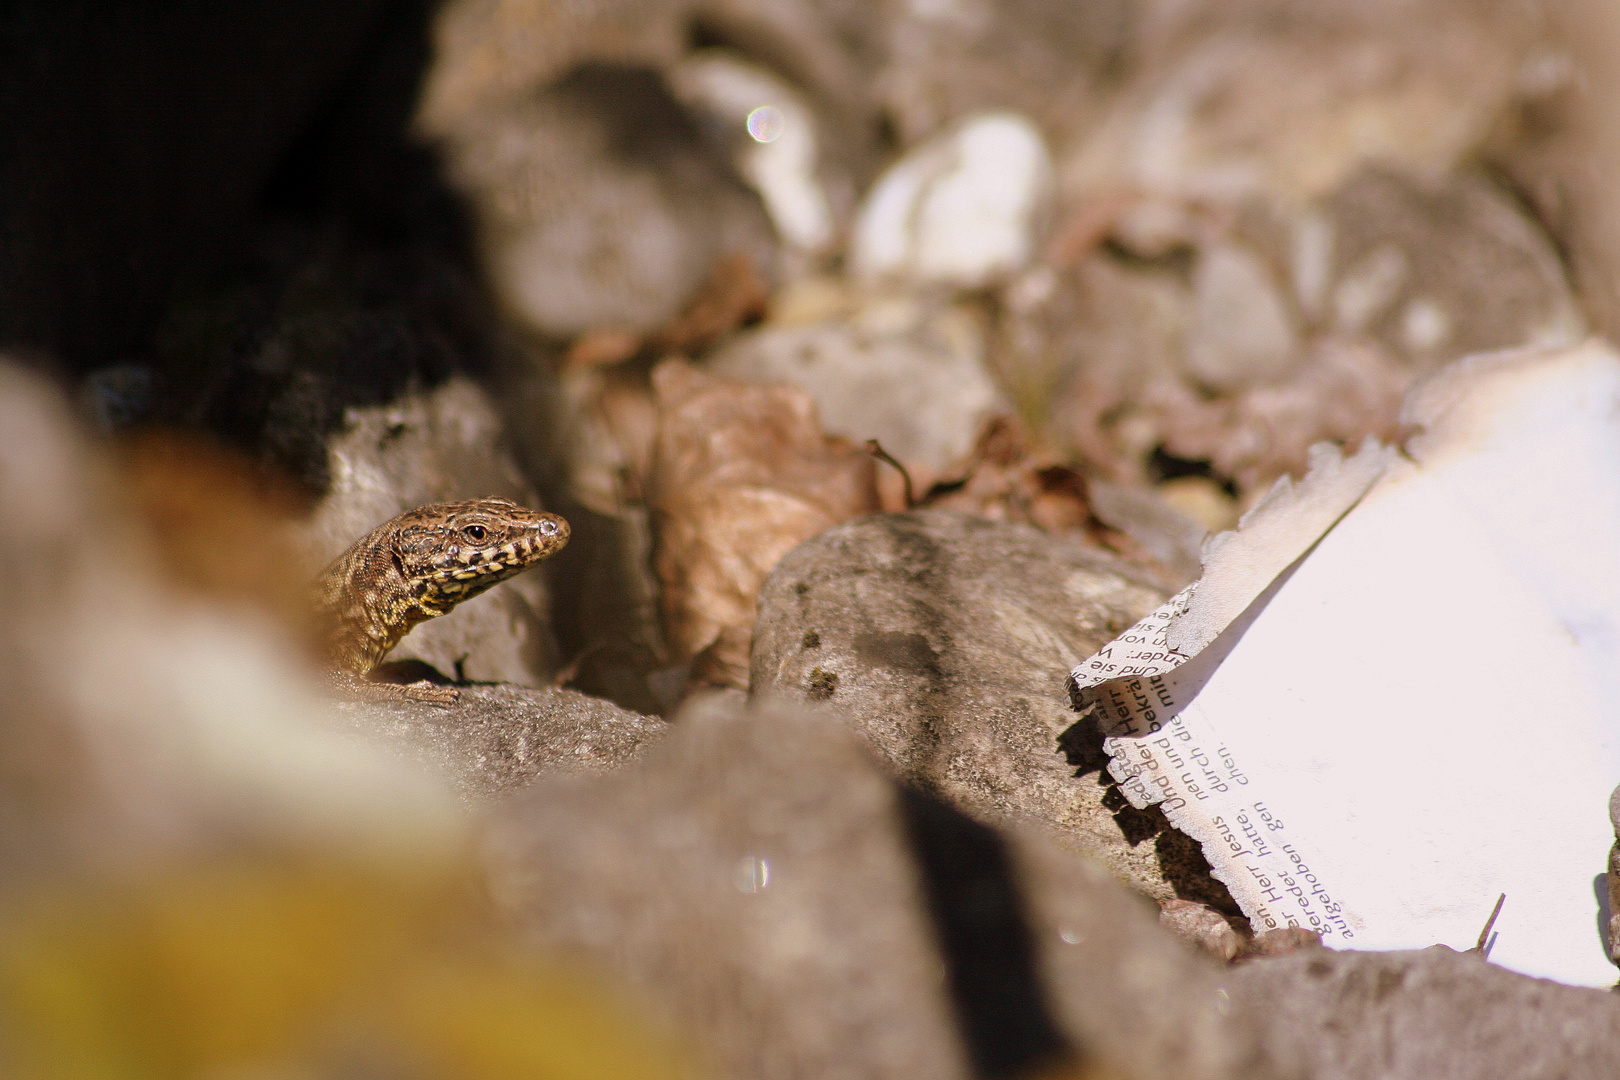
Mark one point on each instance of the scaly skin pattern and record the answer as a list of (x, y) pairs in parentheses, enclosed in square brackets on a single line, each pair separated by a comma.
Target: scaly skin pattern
[(416, 567)]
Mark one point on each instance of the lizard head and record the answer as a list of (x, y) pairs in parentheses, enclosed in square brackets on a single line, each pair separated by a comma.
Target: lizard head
[(450, 552)]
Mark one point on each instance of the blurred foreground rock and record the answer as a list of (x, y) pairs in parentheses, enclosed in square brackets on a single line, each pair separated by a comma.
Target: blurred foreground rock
[(1425, 1015), (496, 739), (941, 638), (765, 884), (144, 722), (200, 875)]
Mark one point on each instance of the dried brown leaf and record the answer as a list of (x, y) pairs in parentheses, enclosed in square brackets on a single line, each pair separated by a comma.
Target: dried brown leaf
[(741, 474)]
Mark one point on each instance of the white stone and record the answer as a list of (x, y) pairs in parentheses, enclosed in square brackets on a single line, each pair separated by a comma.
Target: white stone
[(960, 209), (776, 149)]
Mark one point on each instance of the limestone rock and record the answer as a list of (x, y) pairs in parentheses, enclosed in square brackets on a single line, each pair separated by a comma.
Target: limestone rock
[(1418, 1015), (599, 204), (960, 209), (762, 882), (1201, 925), (1055, 63), (943, 639), (498, 738), (1237, 101), (772, 132), (900, 370)]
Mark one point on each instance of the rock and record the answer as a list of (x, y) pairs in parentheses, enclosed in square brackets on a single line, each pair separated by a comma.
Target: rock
[(1282, 941), (147, 725), (1201, 925), (765, 886), (496, 739), (1440, 270), (1084, 345), (301, 902), (1230, 103), (1388, 278), (491, 53), (439, 446), (948, 59), (901, 370), (944, 641), (600, 206), (1418, 1015), (1202, 500), (772, 131), (1241, 332), (960, 209)]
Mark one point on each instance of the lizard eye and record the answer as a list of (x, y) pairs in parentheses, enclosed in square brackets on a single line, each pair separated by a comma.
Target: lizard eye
[(547, 528), (475, 532)]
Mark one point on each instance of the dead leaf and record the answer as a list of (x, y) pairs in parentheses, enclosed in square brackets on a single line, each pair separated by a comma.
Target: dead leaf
[(741, 475)]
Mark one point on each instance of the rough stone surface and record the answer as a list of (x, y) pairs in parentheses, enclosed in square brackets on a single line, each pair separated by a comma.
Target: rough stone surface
[(437, 447), (899, 370), (945, 640), (1053, 62), (1427, 1015), (1203, 926), (599, 204), (1468, 269), (496, 739), (763, 882), (1234, 99)]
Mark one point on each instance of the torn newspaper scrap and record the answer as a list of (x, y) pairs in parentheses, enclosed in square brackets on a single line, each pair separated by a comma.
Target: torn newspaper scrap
[(1395, 692)]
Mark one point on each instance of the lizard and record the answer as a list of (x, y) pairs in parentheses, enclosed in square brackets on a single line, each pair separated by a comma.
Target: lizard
[(416, 567)]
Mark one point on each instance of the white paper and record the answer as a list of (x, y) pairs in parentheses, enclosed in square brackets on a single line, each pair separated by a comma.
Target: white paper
[(1395, 693)]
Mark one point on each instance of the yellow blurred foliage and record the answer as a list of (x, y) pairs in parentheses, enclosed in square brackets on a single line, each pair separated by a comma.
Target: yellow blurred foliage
[(290, 969)]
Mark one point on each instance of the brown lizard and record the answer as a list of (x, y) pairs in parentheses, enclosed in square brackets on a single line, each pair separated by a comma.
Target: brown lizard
[(416, 567)]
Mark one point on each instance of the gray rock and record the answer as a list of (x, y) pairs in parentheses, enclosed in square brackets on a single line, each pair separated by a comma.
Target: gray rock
[(600, 206), (1170, 536), (1203, 926), (1241, 331), (945, 640), (1052, 62), (435, 447), (1427, 1015), (765, 886), (1438, 271), (498, 738), (899, 370), (1086, 346)]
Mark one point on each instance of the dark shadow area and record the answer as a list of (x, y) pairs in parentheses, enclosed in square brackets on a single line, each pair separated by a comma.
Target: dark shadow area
[(1081, 743), (135, 138), (985, 939), (1164, 466), (223, 209), (1600, 889), (1180, 859)]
